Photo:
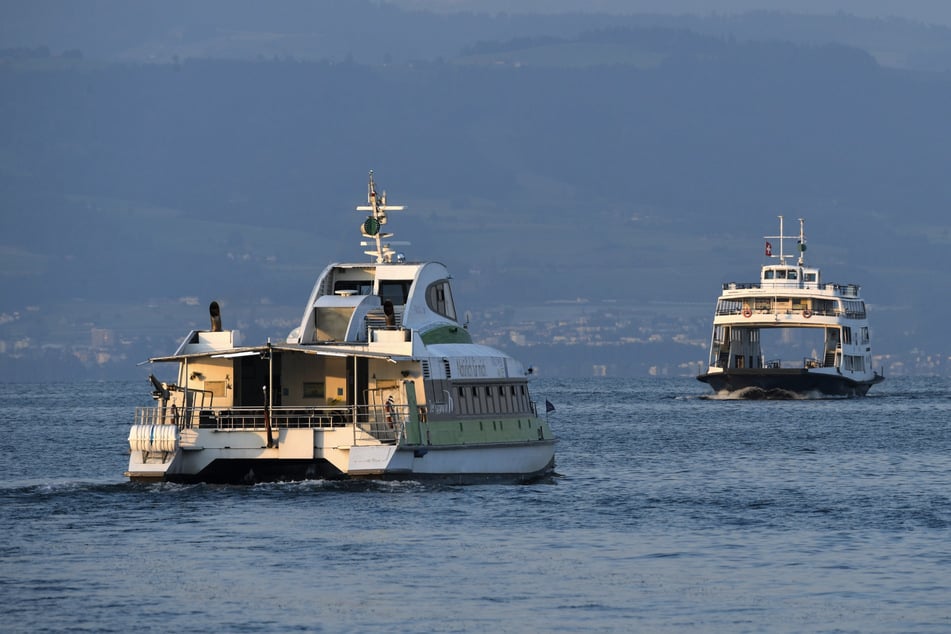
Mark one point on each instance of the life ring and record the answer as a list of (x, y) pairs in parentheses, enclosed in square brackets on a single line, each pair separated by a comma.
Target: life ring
[(807, 313), (747, 312)]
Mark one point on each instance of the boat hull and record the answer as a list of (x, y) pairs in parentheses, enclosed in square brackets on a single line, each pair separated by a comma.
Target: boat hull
[(515, 462), (775, 382), (241, 472)]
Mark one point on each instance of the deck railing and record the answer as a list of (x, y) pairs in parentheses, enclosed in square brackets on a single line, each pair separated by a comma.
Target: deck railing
[(842, 290), (722, 360), (781, 311), (371, 423)]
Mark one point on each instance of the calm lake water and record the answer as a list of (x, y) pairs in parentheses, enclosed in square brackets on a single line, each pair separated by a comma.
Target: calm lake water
[(671, 512)]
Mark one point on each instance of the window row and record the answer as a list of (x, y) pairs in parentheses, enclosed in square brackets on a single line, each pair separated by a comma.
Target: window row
[(493, 398)]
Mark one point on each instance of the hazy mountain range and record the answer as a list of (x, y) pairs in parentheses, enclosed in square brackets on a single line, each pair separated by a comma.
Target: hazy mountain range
[(156, 156)]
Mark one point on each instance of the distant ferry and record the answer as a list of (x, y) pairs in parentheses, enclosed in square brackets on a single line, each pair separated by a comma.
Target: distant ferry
[(379, 380), (790, 295)]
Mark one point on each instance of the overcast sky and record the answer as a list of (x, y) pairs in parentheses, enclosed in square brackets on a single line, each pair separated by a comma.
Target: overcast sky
[(929, 11)]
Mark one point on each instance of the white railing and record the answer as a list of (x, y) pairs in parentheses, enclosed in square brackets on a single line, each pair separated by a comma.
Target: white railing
[(379, 423)]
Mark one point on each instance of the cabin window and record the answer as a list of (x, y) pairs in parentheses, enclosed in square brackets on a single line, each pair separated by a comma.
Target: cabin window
[(729, 307), (217, 388), (395, 290), (478, 404), (768, 275), (823, 306), (490, 402), (854, 363), (331, 322), (352, 287), (781, 274), (719, 334), (792, 275), (854, 309), (809, 277), (439, 299)]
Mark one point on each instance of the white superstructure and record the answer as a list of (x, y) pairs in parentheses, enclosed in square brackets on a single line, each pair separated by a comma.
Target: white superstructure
[(380, 379), (791, 295)]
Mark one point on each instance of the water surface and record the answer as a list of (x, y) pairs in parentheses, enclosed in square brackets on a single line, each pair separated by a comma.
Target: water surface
[(671, 512)]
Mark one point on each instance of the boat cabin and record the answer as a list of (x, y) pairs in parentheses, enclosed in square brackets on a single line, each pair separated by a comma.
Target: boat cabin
[(360, 303), (794, 276)]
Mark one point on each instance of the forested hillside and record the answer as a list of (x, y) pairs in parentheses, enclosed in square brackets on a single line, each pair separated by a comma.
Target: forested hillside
[(641, 164)]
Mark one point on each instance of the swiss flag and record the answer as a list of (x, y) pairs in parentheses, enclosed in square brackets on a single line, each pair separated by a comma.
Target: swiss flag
[(769, 248)]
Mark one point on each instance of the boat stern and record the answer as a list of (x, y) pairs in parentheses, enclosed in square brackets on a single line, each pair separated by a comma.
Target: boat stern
[(153, 450)]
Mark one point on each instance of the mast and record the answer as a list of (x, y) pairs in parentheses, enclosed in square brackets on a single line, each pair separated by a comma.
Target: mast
[(372, 227), (801, 242), (780, 237), (782, 254)]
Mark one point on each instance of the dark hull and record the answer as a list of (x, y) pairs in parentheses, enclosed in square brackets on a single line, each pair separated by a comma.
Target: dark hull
[(244, 471), (782, 382)]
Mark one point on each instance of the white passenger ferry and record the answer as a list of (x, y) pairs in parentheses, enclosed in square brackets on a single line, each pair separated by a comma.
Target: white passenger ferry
[(380, 380), (793, 297)]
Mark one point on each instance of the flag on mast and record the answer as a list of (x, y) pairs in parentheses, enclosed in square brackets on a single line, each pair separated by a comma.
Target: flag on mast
[(769, 248), (548, 406)]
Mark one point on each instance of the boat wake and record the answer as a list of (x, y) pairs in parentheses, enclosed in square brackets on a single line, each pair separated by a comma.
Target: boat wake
[(56, 486), (760, 394)]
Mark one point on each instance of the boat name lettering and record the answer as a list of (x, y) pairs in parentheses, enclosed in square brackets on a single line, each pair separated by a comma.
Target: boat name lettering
[(470, 368)]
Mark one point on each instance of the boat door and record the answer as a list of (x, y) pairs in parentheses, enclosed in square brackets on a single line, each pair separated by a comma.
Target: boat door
[(250, 377), (832, 348), (357, 381)]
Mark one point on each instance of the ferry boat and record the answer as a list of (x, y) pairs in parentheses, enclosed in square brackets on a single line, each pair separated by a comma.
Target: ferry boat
[(791, 296), (379, 380)]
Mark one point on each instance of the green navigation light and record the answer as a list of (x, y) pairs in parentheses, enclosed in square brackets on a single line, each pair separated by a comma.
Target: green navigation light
[(371, 227)]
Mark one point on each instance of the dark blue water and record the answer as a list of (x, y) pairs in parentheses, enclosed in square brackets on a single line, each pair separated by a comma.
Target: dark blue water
[(671, 513)]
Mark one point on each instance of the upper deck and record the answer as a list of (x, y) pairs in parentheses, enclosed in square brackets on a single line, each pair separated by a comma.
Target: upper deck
[(786, 278), (791, 280), (387, 300)]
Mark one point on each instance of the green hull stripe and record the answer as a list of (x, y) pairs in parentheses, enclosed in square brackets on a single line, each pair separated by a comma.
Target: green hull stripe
[(446, 334), (476, 431)]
